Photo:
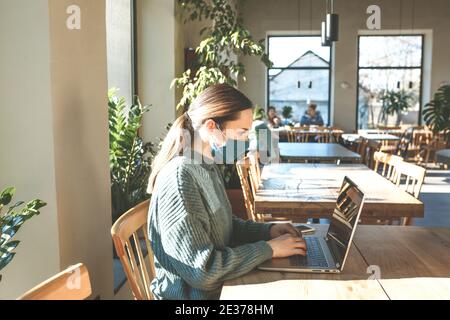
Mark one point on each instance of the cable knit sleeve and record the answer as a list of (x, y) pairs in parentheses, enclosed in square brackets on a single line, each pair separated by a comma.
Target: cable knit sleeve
[(250, 231), (185, 237)]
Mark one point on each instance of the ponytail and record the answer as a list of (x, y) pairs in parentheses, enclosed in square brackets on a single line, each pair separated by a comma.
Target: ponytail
[(173, 145), (220, 103)]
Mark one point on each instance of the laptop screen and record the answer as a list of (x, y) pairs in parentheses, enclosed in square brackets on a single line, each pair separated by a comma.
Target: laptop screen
[(344, 220)]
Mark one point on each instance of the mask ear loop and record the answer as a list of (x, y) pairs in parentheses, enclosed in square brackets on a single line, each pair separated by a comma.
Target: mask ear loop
[(221, 131)]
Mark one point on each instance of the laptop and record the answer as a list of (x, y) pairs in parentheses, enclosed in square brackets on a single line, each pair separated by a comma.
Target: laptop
[(327, 254)]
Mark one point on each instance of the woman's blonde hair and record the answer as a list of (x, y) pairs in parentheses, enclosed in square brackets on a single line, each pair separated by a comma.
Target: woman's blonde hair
[(220, 103)]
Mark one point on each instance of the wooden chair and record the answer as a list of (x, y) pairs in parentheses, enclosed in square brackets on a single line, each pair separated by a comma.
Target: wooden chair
[(428, 151), (243, 168), (255, 170), (410, 177), (367, 149), (297, 135), (389, 162), (403, 146), (324, 136), (71, 284), (361, 148), (128, 243)]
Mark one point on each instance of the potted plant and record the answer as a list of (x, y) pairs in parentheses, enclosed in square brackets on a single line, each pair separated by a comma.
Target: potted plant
[(395, 102), (286, 112), (437, 112), (129, 157), (11, 221)]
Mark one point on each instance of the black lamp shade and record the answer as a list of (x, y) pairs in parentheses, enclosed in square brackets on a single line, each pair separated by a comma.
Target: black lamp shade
[(325, 41), (332, 27)]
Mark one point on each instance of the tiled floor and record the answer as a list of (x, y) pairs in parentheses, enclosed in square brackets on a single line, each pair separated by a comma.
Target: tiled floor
[(436, 197)]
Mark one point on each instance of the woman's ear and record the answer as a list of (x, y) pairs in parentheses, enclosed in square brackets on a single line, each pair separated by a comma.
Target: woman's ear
[(210, 125)]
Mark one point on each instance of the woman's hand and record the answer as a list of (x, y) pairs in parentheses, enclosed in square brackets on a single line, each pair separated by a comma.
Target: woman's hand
[(278, 229), (286, 246)]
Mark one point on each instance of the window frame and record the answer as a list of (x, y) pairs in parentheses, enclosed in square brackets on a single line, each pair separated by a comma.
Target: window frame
[(329, 68), (359, 67), (134, 49)]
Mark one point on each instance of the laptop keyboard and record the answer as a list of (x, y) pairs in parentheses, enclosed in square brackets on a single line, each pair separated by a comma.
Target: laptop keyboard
[(314, 255)]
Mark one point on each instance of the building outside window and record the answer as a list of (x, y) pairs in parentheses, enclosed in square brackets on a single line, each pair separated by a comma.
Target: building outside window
[(300, 75)]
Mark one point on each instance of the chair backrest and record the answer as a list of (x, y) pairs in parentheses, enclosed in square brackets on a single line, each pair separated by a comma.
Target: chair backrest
[(362, 149), (130, 238), (243, 170), (389, 164), (71, 284), (255, 170), (410, 177), (372, 147), (297, 135), (404, 143), (422, 137), (324, 136), (367, 149)]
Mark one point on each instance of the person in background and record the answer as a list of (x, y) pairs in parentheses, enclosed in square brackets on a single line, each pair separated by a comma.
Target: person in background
[(196, 241), (274, 120), (312, 116), (262, 139)]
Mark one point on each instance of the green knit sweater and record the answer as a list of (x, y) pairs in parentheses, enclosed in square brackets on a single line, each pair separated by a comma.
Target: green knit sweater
[(197, 242)]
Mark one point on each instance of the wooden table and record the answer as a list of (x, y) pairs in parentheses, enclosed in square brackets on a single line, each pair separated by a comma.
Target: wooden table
[(294, 152), (380, 137), (413, 263), (310, 191)]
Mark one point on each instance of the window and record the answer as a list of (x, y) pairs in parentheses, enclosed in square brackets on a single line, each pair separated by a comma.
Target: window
[(300, 75), (389, 64), (121, 38), (121, 51)]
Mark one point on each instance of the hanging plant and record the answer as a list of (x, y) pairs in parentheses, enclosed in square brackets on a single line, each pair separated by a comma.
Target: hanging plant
[(224, 39)]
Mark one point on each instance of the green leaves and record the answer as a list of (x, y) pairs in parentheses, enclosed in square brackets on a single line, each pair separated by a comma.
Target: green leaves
[(225, 39), (437, 112), (395, 102), (12, 221), (7, 195), (129, 157), (286, 112)]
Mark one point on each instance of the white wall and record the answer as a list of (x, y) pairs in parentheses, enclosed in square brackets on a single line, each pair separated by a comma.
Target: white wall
[(54, 140), (26, 139), (80, 112), (264, 16), (156, 61)]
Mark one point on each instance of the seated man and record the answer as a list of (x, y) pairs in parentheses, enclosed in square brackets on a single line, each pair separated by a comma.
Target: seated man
[(312, 117)]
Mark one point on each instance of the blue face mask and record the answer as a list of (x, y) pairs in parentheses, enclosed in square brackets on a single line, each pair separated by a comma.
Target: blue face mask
[(232, 151)]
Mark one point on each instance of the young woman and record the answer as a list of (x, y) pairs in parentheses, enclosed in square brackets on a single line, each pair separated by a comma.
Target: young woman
[(197, 242), (273, 118)]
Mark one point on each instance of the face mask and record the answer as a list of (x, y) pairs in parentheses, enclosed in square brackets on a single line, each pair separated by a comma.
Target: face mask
[(229, 153)]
